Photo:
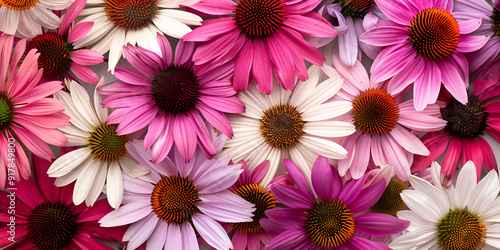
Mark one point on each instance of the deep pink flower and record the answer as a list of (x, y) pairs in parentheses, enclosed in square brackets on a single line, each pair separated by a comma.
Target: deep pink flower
[(462, 138), (57, 55), (46, 218), (27, 116), (424, 42), (169, 98), (331, 219), (264, 37)]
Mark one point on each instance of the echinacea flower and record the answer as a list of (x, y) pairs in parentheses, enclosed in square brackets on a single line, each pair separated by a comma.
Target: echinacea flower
[(331, 219), (490, 26), (102, 155), (135, 22), (462, 140), (253, 33), (461, 216), (46, 218), (298, 125), (57, 55), (28, 118), (176, 198), (382, 122), (26, 19), (169, 98), (424, 42)]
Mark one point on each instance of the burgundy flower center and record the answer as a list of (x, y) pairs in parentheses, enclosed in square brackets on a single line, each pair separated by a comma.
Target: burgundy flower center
[(51, 226), (262, 199), (434, 33), (390, 202), (259, 18), (18, 4), (174, 199), (356, 8), (460, 229), (106, 145), (375, 112), (495, 22), (330, 224), (176, 90), (6, 111), (465, 121), (131, 14), (54, 54), (281, 126)]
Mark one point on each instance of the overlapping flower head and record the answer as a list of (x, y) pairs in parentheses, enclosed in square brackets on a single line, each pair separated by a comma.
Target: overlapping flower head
[(57, 55), (298, 125), (330, 214), (136, 22), (46, 218), (255, 32), (103, 153), (29, 118), (424, 42), (166, 98), (176, 201), (460, 216)]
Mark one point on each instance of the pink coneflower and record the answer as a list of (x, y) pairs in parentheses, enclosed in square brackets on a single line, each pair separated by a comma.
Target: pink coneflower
[(424, 44), (57, 55), (382, 122), (46, 218), (166, 206), (490, 26), (462, 138), (333, 218), (27, 116), (167, 98), (254, 33), (26, 19)]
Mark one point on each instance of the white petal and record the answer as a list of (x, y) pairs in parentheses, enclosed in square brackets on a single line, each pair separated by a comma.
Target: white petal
[(182, 16), (422, 204), (416, 221), (415, 238), (81, 100), (466, 182), (116, 48), (327, 110), (114, 185), (102, 113), (97, 185), (484, 193), (329, 128), (170, 26), (85, 182), (324, 147), (131, 167), (64, 164)]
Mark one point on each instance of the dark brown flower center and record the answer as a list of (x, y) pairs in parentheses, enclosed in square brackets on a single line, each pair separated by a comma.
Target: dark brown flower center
[(434, 34), (262, 199), (18, 4), (106, 145), (495, 22), (174, 199), (465, 121), (54, 54), (51, 226), (390, 202), (281, 126), (356, 8), (460, 229), (131, 14), (259, 18), (375, 112)]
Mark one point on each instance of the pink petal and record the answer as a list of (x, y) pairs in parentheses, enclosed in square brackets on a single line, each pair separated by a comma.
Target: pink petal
[(243, 66), (362, 157), (222, 48), (211, 29), (259, 172), (380, 224), (84, 73), (73, 11), (453, 81), (33, 143), (368, 197), (427, 86), (468, 44), (84, 241), (437, 144), (310, 27), (397, 11), (473, 152), (292, 197), (386, 35), (391, 61), (450, 162), (137, 58), (230, 104), (86, 57), (129, 75), (281, 59), (79, 31), (28, 192), (304, 48), (467, 22), (166, 50), (216, 118), (262, 67), (410, 72), (184, 132), (136, 120), (408, 141), (488, 155), (127, 214), (327, 183), (211, 231), (297, 176), (214, 7)]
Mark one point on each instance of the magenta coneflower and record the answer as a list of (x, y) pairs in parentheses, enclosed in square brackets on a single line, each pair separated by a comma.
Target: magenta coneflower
[(254, 32), (166, 206), (462, 138), (57, 55), (27, 117), (169, 98), (335, 217), (46, 217), (424, 44), (382, 122)]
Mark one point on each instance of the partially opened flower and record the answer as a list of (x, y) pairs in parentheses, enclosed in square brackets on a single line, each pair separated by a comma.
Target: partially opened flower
[(176, 198), (424, 42), (171, 99), (28, 118), (382, 122), (26, 19), (57, 55), (253, 34), (102, 155), (134, 22), (461, 216), (281, 125), (331, 215), (46, 218)]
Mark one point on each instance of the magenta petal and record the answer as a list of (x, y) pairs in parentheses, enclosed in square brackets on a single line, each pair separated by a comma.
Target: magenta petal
[(243, 66), (86, 57), (397, 11), (327, 183), (292, 197), (288, 218), (73, 11), (310, 27), (473, 152), (281, 58), (211, 29), (379, 224), (450, 161), (468, 44), (366, 244), (166, 51), (351, 191), (262, 67), (79, 31), (130, 76), (488, 156), (303, 48), (410, 72), (368, 197), (437, 144), (391, 61), (45, 183), (184, 132), (136, 120), (386, 35), (297, 176), (33, 143), (214, 7), (137, 58), (259, 172), (85, 241), (286, 238), (453, 80), (239, 240), (84, 73), (216, 118), (28, 192)]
